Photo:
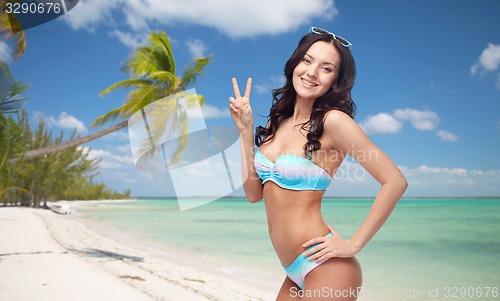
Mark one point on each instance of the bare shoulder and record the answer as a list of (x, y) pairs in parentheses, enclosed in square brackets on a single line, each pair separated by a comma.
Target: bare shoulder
[(342, 132), (336, 119)]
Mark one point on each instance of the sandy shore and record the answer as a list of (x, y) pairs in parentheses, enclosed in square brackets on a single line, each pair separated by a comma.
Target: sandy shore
[(47, 256)]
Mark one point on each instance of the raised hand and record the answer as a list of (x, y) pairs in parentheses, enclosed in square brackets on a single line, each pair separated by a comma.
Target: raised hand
[(240, 108)]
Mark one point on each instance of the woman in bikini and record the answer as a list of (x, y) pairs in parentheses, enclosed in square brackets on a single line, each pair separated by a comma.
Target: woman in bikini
[(309, 132)]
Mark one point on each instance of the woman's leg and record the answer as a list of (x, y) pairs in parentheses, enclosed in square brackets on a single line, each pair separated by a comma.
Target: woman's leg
[(334, 279), (289, 291)]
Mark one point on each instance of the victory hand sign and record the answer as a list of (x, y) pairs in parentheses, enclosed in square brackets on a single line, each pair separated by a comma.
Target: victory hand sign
[(240, 108)]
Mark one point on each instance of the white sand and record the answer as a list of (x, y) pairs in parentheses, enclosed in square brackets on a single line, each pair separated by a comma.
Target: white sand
[(46, 256)]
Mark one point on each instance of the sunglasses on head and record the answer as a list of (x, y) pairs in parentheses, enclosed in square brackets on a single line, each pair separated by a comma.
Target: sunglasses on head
[(342, 41)]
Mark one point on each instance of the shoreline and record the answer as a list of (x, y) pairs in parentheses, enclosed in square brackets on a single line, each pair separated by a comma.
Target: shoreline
[(57, 257), (251, 275)]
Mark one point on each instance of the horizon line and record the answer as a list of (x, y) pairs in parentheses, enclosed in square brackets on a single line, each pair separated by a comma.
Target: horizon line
[(342, 197)]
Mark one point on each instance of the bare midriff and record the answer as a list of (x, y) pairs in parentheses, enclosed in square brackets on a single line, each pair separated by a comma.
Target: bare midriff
[(294, 217)]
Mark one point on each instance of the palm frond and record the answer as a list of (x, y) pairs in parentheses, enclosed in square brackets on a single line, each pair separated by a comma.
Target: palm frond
[(193, 71), (11, 91), (162, 51), (127, 83), (182, 128), (155, 56), (109, 116), (190, 100), (161, 121), (140, 64), (167, 78), (139, 98), (10, 27), (11, 140), (136, 100), (5, 74), (20, 42)]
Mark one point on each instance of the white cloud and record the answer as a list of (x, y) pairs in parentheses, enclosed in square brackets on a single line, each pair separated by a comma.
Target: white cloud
[(489, 61), (442, 181), (210, 111), (387, 123), (244, 18), (423, 180), (88, 14), (124, 149), (108, 159), (64, 121), (424, 169), (382, 123), (474, 69), (5, 52), (267, 85), (421, 120), (117, 170), (447, 136), (129, 39), (197, 48)]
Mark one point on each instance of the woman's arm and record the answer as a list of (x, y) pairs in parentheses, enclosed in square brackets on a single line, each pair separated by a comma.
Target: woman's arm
[(347, 137), (241, 112)]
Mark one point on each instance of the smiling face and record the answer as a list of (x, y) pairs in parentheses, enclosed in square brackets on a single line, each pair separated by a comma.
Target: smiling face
[(317, 72)]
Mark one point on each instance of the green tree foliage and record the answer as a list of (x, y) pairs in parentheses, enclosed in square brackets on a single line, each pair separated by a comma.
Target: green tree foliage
[(32, 182), (65, 175), (11, 135)]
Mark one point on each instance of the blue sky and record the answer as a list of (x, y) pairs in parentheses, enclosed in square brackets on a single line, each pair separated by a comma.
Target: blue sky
[(427, 90)]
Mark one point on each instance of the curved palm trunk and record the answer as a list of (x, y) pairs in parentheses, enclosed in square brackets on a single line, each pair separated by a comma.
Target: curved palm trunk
[(72, 143)]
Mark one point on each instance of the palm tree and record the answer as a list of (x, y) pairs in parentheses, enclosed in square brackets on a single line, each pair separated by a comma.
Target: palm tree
[(10, 92), (153, 77), (11, 138), (10, 101), (11, 28)]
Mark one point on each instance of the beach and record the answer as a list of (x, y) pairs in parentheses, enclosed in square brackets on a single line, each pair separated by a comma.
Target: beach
[(147, 249), (48, 256)]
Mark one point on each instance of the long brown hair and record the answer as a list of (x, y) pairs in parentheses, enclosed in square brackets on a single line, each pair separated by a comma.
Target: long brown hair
[(335, 99)]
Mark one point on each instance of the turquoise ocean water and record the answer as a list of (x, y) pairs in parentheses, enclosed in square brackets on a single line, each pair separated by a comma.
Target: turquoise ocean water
[(429, 249)]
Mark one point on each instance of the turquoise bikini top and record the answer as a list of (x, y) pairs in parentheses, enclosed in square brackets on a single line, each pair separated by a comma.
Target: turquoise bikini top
[(291, 172)]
